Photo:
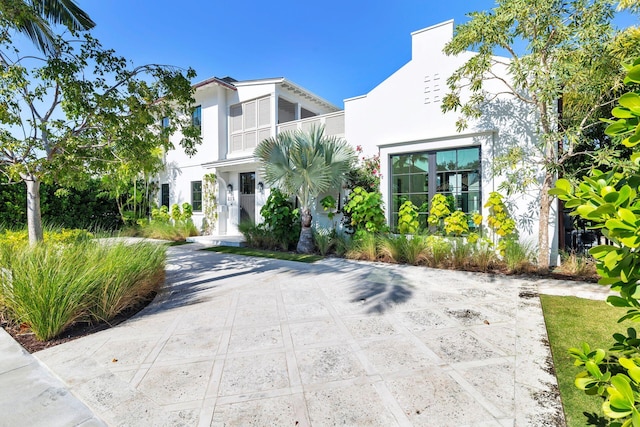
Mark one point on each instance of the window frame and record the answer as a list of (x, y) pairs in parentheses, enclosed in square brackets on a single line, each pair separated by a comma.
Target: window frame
[(430, 187), (163, 193), (196, 196), (197, 109)]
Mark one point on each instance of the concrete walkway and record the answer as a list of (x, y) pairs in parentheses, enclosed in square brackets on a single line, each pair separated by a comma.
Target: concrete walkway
[(236, 341)]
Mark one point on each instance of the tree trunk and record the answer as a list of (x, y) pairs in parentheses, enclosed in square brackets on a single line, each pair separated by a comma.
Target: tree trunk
[(543, 233), (34, 217), (305, 243)]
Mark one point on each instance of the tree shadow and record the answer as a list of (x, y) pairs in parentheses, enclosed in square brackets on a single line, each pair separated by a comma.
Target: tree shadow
[(594, 419), (381, 289)]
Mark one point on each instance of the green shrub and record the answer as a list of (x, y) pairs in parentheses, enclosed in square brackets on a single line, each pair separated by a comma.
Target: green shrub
[(324, 240), (439, 210), (519, 256), (365, 211), (365, 247), (415, 250), (456, 224), (408, 218), (391, 248), (50, 286), (160, 214), (461, 252), (342, 244), (280, 220), (439, 250)]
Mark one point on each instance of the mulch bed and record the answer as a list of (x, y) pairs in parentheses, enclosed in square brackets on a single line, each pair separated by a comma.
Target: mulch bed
[(23, 335)]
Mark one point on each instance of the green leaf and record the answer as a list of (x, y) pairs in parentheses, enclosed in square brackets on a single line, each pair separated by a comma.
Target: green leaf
[(630, 100), (616, 301), (634, 74), (627, 215), (622, 113), (618, 128)]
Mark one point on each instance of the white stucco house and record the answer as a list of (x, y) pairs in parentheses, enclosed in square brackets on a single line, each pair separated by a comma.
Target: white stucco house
[(421, 151)]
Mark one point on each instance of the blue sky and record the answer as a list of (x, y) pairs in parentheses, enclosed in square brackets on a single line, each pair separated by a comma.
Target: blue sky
[(336, 49)]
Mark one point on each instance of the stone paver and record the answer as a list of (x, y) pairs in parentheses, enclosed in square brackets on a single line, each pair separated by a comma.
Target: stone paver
[(253, 342), (30, 395)]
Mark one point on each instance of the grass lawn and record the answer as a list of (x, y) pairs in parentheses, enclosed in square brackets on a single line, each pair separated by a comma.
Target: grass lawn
[(265, 254), (570, 321)]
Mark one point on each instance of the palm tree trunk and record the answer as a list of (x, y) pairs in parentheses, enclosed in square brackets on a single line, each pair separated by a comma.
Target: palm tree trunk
[(305, 243)]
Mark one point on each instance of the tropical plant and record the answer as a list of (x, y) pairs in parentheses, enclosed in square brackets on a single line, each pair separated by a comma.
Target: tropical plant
[(439, 210), (456, 224), (366, 173), (610, 202), (209, 203), (557, 50), (305, 164), (34, 18), (280, 219), (408, 218), (328, 204), (89, 110), (500, 222), (365, 211)]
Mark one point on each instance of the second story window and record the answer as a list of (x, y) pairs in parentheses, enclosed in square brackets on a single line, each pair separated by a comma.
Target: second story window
[(249, 123), (196, 117)]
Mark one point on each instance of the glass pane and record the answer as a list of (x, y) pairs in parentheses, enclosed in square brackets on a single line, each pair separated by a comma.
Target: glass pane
[(469, 158), (400, 163), (473, 201), (418, 200), (446, 160), (401, 184), (453, 182), (420, 163), (419, 183)]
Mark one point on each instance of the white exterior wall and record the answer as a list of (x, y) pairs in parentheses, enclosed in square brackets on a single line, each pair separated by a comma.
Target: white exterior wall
[(214, 156), (403, 115)]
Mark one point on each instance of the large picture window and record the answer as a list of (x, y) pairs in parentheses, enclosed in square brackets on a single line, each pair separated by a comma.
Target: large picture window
[(419, 176)]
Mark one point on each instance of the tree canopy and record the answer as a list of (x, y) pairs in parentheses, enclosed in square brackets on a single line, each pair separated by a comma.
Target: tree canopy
[(555, 50), (83, 110)]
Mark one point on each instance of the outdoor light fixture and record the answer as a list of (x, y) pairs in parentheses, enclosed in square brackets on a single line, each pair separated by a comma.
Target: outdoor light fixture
[(229, 188), (261, 187)]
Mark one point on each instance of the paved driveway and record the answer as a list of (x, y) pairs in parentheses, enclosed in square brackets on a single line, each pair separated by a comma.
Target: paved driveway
[(236, 341)]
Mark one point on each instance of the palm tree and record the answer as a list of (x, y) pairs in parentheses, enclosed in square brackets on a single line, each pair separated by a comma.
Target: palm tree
[(305, 164), (35, 17)]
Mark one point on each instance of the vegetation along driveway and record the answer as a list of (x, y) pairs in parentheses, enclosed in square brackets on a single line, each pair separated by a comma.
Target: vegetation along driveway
[(234, 340)]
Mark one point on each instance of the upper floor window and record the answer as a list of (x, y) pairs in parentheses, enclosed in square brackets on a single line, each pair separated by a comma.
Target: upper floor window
[(286, 111), (165, 122), (196, 117), (249, 123)]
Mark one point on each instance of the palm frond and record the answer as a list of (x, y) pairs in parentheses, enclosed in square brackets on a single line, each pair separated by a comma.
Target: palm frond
[(305, 164), (65, 12)]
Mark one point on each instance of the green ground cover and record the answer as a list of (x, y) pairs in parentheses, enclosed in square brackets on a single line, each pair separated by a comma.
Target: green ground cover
[(570, 321), (287, 256)]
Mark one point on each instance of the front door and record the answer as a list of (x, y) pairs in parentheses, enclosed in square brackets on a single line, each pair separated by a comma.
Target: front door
[(248, 197)]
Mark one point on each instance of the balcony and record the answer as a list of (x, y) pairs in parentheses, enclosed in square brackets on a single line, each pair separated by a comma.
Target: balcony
[(333, 124)]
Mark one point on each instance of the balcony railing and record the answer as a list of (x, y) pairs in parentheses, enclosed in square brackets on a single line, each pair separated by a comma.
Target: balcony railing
[(333, 124)]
